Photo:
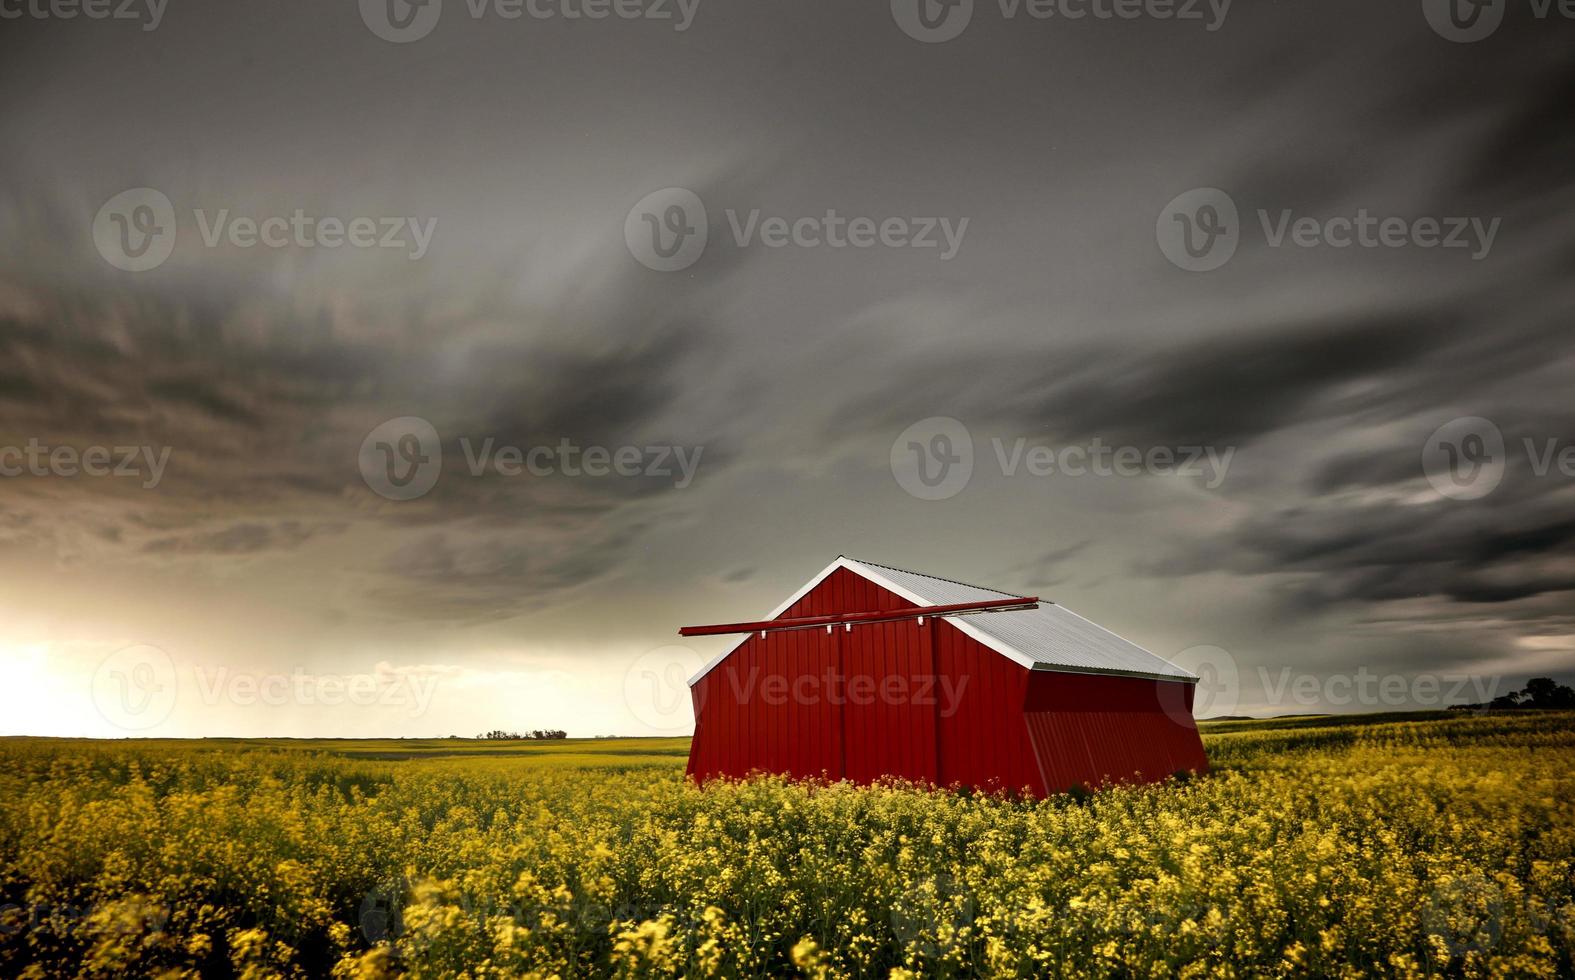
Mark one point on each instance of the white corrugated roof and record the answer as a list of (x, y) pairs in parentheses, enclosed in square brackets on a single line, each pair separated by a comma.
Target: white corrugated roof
[(1051, 637)]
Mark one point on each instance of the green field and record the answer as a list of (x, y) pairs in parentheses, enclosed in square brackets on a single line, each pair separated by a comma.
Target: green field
[(1419, 845)]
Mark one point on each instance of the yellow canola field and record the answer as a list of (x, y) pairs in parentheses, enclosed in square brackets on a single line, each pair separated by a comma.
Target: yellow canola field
[(1438, 847)]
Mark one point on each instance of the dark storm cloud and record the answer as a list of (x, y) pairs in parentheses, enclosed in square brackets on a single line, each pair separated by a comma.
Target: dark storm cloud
[(1365, 468), (1230, 390), (1220, 390), (264, 401), (1397, 540), (1048, 569), (474, 574), (1525, 155), (247, 537), (1501, 107), (1510, 547), (1529, 434), (205, 396)]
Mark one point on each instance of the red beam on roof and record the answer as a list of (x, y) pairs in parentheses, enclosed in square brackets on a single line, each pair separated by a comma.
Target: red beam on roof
[(881, 616)]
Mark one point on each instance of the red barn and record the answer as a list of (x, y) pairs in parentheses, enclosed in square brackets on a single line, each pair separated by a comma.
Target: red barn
[(870, 671)]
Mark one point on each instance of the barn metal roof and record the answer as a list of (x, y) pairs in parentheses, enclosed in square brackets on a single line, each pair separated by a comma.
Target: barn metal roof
[(1051, 637)]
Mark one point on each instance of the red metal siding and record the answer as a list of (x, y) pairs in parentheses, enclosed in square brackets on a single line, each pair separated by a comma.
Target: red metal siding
[(1088, 730), (889, 705), (983, 740), (844, 592), (927, 703), (748, 715)]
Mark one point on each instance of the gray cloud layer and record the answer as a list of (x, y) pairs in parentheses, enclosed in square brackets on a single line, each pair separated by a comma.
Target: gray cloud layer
[(1059, 320)]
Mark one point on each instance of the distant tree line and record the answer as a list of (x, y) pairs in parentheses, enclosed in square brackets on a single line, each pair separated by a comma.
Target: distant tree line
[(536, 735), (1539, 693)]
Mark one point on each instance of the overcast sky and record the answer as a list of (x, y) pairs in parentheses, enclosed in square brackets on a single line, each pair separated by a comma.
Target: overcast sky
[(996, 213)]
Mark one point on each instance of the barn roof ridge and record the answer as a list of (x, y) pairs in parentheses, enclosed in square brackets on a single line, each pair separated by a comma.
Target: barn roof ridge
[(938, 578)]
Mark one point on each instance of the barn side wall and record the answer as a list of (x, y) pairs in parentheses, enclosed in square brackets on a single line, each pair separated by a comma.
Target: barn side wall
[(1089, 730)]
